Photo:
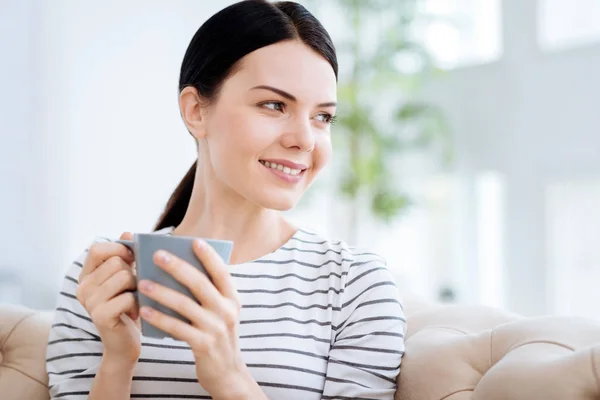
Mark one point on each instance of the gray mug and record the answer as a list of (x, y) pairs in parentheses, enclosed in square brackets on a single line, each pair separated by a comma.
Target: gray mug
[(144, 245)]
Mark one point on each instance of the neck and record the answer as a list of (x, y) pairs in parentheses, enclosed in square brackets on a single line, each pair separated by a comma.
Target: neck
[(220, 214)]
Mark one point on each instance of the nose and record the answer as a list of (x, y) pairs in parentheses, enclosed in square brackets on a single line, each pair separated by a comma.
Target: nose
[(299, 135)]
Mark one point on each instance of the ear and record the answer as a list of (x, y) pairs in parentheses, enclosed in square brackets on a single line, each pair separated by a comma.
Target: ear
[(192, 108)]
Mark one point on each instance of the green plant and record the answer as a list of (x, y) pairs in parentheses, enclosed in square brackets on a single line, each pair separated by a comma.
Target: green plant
[(381, 117)]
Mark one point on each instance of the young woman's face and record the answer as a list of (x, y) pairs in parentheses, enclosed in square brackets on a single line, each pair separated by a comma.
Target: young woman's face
[(267, 135)]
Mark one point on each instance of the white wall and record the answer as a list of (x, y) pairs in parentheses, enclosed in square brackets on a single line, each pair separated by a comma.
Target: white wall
[(93, 143), (22, 244)]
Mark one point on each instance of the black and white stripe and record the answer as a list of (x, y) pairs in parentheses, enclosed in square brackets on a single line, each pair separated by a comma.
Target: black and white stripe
[(319, 320)]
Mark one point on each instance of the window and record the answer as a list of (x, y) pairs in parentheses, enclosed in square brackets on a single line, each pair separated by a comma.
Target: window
[(573, 254), (490, 188), (563, 24), (460, 32)]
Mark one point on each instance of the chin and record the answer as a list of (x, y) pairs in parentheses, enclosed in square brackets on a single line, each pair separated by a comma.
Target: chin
[(278, 202)]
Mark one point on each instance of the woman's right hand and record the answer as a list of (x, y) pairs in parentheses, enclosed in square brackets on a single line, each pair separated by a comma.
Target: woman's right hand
[(105, 290)]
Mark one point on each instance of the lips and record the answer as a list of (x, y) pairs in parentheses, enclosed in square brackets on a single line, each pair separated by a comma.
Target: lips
[(282, 168), (285, 163)]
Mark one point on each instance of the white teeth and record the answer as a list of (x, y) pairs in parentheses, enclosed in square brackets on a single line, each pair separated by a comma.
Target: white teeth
[(285, 170)]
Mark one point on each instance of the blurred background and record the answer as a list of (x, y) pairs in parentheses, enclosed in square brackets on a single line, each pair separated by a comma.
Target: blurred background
[(467, 150)]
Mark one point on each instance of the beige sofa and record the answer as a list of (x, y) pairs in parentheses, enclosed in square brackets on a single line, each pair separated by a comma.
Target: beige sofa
[(452, 353)]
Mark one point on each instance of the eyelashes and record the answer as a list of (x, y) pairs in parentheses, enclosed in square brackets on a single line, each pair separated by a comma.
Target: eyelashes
[(277, 103), (280, 107)]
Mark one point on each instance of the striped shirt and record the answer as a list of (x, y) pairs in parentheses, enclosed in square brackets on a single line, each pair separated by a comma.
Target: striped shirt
[(319, 320)]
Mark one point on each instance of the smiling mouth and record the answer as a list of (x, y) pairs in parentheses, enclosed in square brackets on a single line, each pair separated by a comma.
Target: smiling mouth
[(279, 167)]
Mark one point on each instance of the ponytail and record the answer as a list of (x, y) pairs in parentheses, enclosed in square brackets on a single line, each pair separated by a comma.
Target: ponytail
[(179, 201)]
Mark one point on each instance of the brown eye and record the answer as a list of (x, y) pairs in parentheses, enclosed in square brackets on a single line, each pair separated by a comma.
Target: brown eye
[(325, 117)]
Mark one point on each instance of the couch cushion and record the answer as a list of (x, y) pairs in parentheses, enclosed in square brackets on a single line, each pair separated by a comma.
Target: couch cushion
[(23, 337), (480, 353)]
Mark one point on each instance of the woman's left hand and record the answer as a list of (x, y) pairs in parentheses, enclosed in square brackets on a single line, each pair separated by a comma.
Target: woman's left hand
[(212, 332)]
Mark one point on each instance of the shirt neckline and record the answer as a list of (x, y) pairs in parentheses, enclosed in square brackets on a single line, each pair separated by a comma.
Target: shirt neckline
[(169, 231)]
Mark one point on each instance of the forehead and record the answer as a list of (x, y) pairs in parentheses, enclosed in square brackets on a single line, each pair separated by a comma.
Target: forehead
[(291, 66)]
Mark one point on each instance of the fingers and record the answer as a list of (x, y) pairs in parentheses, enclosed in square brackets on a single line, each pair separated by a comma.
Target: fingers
[(100, 252), (105, 279), (184, 305), (196, 338), (118, 283), (216, 268), (198, 283), (201, 287), (109, 313), (106, 270)]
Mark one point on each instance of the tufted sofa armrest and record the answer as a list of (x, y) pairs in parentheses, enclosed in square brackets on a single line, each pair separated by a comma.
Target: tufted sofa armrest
[(479, 353), (23, 337)]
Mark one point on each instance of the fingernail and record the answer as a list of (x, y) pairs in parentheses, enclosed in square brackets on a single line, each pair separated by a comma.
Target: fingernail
[(146, 312), (201, 243), (146, 286), (163, 256)]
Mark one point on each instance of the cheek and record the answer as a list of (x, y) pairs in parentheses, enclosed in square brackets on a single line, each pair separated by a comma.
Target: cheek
[(242, 132), (323, 152)]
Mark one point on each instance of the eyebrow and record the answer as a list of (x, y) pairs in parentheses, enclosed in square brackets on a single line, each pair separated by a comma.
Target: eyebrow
[(291, 97)]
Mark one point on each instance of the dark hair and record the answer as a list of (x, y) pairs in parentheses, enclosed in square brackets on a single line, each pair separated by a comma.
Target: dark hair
[(218, 46)]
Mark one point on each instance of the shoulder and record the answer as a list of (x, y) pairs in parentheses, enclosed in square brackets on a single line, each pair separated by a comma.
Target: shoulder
[(309, 241), (354, 262), (367, 288)]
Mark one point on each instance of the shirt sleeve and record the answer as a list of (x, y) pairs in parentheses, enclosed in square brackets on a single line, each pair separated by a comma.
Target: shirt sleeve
[(74, 347), (364, 360)]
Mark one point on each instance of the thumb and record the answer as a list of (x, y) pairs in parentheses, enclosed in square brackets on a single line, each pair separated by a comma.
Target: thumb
[(129, 236), (126, 236)]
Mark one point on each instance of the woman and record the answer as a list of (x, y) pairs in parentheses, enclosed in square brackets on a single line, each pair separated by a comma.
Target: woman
[(294, 316)]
